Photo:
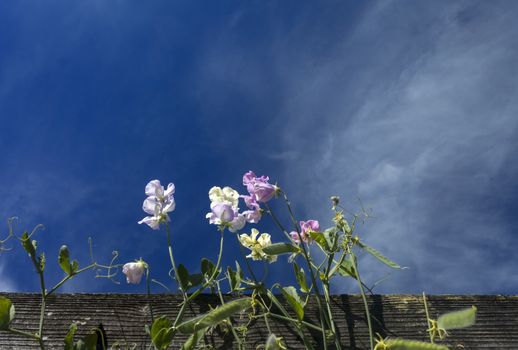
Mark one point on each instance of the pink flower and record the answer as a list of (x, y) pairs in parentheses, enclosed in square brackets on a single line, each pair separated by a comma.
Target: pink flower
[(258, 187), (134, 271), (305, 228)]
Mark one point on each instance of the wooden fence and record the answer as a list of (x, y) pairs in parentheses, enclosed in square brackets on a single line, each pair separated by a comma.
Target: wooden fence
[(399, 316)]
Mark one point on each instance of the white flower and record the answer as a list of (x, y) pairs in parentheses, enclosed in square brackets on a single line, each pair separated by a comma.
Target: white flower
[(227, 194), (224, 209), (158, 203), (256, 245), (134, 271)]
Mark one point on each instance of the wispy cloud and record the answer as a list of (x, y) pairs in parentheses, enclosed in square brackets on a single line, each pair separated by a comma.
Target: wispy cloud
[(422, 144), (6, 282)]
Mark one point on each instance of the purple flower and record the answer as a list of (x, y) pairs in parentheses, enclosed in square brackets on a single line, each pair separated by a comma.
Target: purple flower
[(221, 213), (159, 202), (258, 187), (305, 228), (224, 210)]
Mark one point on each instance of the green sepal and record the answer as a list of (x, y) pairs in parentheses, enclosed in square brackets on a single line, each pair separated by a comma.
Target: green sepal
[(161, 333), (215, 316), (292, 297), (281, 248), (457, 319), (378, 255), (68, 267), (6, 312), (41, 262)]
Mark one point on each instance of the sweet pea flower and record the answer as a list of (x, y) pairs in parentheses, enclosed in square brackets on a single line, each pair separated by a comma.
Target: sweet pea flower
[(158, 204), (227, 194), (224, 209), (305, 228), (134, 271), (256, 245), (258, 187)]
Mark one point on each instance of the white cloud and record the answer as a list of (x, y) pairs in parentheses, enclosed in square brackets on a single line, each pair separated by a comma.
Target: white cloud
[(432, 126), (6, 283)]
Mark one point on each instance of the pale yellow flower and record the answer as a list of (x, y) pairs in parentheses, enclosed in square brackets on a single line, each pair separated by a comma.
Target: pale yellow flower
[(256, 245)]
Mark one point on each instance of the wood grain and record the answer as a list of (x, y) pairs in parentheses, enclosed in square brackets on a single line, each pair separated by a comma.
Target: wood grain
[(124, 315)]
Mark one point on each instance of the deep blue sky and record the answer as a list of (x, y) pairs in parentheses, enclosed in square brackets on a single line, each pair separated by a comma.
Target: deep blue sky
[(411, 106)]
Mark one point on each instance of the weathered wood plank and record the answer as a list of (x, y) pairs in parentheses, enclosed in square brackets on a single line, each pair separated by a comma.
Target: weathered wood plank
[(123, 317)]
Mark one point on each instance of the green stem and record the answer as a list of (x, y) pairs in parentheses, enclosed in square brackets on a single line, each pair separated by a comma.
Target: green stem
[(289, 319), (316, 291), (428, 318), (171, 257), (67, 277), (234, 333), (202, 288), (297, 323), (25, 334), (330, 314), (352, 258), (148, 290), (277, 222)]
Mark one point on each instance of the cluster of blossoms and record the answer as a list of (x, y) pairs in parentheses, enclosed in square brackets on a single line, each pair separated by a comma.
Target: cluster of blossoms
[(224, 204), (256, 245), (159, 202), (224, 209), (224, 213)]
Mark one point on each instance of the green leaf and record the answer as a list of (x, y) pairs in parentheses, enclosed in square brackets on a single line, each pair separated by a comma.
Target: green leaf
[(300, 274), (234, 280), (281, 248), (74, 266), (458, 319), (90, 341), (331, 237), (64, 260), (6, 312), (378, 255), (195, 280), (402, 344), (183, 277), (161, 333), (69, 338), (320, 239), (207, 267), (28, 245), (193, 340), (291, 296), (347, 269), (215, 316)]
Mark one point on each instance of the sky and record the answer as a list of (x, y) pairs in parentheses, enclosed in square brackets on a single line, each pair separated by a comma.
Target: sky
[(409, 107)]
